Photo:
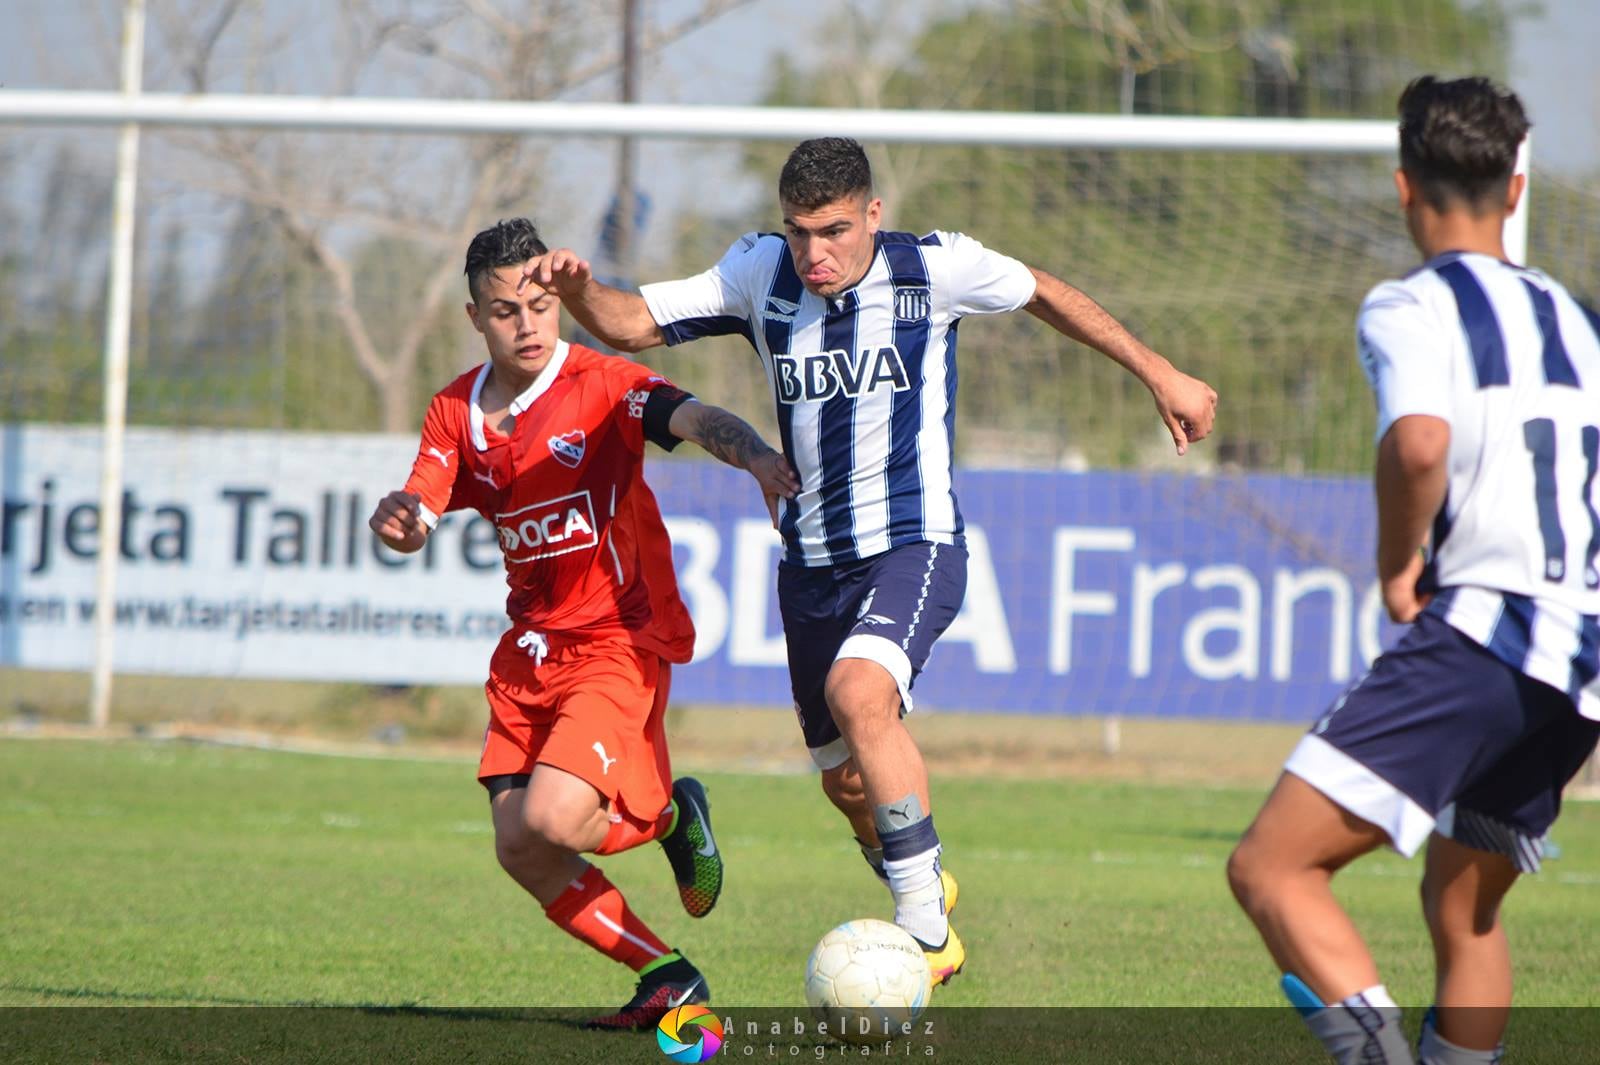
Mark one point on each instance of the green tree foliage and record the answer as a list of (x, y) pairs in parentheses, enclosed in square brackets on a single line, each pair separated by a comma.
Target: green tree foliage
[(52, 295), (1563, 234), (214, 358), (260, 344)]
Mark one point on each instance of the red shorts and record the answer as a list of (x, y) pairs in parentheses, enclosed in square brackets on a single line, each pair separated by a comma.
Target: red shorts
[(596, 710)]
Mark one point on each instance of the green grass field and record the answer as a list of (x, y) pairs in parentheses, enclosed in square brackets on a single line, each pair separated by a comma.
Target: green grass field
[(187, 874)]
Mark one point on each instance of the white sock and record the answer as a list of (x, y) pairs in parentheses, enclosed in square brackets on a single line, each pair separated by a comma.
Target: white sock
[(919, 896), (1377, 996)]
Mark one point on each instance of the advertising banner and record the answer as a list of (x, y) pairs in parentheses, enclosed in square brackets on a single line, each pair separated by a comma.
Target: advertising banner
[(247, 554)]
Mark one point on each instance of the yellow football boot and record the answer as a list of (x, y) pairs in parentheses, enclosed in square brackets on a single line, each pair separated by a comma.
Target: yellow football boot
[(952, 890), (948, 959)]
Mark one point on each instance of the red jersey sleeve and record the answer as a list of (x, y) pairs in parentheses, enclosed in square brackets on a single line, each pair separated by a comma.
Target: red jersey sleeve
[(433, 474), (644, 401)]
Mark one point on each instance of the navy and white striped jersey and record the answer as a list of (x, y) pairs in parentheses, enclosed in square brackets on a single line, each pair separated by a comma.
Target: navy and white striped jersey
[(1512, 362), (864, 381)]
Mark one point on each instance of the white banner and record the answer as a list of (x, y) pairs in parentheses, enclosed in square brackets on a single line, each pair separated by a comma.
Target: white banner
[(244, 554)]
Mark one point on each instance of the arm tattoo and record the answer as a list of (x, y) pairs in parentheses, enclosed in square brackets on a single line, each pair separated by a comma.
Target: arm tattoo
[(730, 438)]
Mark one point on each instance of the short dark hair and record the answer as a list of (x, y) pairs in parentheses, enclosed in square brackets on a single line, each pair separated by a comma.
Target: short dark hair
[(824, 170), (1458, 140), (508, 242)]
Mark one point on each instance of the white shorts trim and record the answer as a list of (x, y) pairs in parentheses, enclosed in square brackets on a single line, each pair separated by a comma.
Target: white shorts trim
[(888, 654), (831, 755), (1361, 791)]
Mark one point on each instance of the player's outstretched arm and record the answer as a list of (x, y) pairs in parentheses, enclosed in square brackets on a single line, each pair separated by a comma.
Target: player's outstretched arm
[(397, 520), (731, 439), (1411, 483), (1186, 404), (619, 318)]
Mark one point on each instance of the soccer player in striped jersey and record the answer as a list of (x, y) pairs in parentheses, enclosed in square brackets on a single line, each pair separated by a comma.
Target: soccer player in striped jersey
[(1487, 377), (856, 329)]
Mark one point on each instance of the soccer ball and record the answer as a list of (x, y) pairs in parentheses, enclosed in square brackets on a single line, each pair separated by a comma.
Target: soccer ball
[(865, 979)]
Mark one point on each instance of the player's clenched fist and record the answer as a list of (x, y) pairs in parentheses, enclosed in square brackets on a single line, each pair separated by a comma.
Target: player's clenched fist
[(1188, 405), (397, 520), (560, 271)]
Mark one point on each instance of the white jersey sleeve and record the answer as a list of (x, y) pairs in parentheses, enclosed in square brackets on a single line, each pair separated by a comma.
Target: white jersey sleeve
[(983, 281), (713, 303), (1405, 354)]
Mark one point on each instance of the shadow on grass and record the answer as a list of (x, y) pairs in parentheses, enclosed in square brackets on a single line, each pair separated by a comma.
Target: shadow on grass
[(102, 998), (1229, 836), (296, 1034), (406, 1034), (81, 1002)]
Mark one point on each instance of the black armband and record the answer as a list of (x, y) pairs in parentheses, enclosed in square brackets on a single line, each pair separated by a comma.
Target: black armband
[(658, 408)]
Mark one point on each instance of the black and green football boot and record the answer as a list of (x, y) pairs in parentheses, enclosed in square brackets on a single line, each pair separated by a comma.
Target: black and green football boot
[(692, 849)]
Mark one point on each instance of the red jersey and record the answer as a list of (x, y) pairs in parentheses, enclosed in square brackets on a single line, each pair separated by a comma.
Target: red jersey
[(585, 549)]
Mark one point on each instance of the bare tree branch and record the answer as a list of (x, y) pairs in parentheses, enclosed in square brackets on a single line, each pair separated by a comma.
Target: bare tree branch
[(403, 225), (332, 263), (491, 17), (344, 304), (412, 191)]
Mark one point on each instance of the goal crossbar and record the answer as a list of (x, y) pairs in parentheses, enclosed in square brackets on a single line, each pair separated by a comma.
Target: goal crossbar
[(1007, 128)]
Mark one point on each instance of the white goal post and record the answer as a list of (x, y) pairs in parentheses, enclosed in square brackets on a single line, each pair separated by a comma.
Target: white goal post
[(131, 110)]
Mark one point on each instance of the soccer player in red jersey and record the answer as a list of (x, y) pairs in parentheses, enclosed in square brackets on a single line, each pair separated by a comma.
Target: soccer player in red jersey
[(546, 440)]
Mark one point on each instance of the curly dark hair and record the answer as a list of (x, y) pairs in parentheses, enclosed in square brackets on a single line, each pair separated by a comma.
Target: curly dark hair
[(508, 242), (1458, 140), (824, 170)]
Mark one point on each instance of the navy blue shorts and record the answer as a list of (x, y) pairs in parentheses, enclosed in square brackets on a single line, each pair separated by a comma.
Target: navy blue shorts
[(1443, 735), (889, 609)]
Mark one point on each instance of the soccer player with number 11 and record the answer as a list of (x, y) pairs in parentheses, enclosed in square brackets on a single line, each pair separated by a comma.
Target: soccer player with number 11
[(1487, 377)]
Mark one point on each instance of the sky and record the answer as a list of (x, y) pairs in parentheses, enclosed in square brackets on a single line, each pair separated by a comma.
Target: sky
[(1553, 68)]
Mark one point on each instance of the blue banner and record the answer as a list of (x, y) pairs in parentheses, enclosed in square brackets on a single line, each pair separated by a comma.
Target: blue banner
[(1247, 597)]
